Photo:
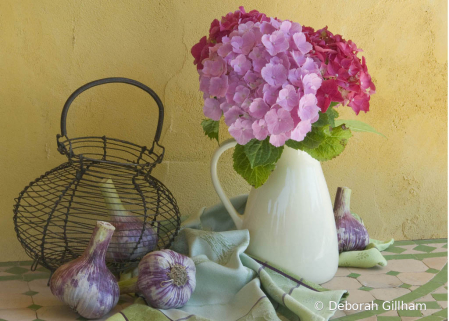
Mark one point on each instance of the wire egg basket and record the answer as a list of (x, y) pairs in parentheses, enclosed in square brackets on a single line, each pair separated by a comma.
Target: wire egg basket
[(54, 215)]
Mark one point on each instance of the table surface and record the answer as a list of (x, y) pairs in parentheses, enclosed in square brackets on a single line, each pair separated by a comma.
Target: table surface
[(416, 272)]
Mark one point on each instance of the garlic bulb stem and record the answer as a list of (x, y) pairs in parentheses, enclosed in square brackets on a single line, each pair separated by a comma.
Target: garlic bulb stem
[(99, 241), (111, 197), (342, 203)]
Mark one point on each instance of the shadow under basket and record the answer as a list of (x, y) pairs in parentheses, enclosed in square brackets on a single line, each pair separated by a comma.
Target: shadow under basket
[(54, 216)]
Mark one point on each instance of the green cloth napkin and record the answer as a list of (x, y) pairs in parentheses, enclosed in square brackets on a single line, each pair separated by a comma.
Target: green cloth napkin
[(234, 286), (367, 258)]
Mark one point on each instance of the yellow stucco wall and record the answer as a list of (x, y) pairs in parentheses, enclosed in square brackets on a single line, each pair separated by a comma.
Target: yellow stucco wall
[(49, 48)]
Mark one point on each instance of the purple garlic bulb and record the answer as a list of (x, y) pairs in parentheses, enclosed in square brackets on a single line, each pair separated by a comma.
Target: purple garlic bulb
[(86, 284), (166, 279), (127, 242), (352, 234)]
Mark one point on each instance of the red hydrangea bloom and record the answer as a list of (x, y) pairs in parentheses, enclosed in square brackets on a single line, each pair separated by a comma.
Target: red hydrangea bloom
[(346, 77)]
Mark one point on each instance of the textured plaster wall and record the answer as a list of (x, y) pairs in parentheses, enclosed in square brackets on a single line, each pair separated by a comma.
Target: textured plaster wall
[(50, 48)]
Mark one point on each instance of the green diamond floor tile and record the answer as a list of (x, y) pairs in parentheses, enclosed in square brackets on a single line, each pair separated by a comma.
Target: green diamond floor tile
[(395, 249), (37, 276), (431, 241), (10, 277), (445, 246), (440, 296), (386, 318), (365, 288), (42, 269), (442, 313), (431, 318), (424, 248), (3, 320), (30, 293), (410, 313), (434, 271), (16, 270), (82, 319), (406, 286), (400, 243), (34, 307), (8, 264), (394, 273), (430, 305), (353, 275), (26, 263), (38, 320)]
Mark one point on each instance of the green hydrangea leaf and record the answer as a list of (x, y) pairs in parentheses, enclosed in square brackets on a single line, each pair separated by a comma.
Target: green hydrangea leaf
[(333, 104), (262, 152), (357, 126), (256, 176), (312, 140), (210, 128), (333, 144), (327, 118), (323, 120), (332, 114)]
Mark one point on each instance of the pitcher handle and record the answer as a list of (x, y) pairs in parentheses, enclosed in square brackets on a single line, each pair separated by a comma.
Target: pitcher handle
[(236, 217)]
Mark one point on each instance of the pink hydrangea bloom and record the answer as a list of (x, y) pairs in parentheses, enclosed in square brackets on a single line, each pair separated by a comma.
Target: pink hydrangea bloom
[(232, 114), (288, 98), (260, 129), (212, 109), (308, 109), (214, 67), (278, 121), (274, 74), (271, 78), (218, 86), (240, 64), (301, 130), (311, 83), (244, 44), (301, 43), (258, 108), (276, 42), (279, 140), (242, 130), (241, 94)]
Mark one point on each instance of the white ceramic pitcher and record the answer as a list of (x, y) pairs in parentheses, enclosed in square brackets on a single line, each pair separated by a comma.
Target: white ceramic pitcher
[(290, 218)]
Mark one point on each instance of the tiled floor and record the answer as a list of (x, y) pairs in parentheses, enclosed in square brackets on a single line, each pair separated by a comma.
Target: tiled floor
[(416, 272)]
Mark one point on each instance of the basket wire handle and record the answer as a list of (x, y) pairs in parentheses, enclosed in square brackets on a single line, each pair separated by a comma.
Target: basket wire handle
[(94, 83)]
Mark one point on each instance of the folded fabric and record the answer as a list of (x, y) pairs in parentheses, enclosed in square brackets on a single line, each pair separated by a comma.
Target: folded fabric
[(233, 286), (216, 218)]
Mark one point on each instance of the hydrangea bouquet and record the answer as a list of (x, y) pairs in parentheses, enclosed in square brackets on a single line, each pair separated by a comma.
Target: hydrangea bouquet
[(276, 83)]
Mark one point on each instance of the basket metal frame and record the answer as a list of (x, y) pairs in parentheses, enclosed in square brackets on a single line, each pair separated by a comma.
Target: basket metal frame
[(73, 184)]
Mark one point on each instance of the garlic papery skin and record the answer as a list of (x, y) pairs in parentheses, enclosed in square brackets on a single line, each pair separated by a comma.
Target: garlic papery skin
[(127, 243), (166, 279), (86, 284), (352, 234)]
